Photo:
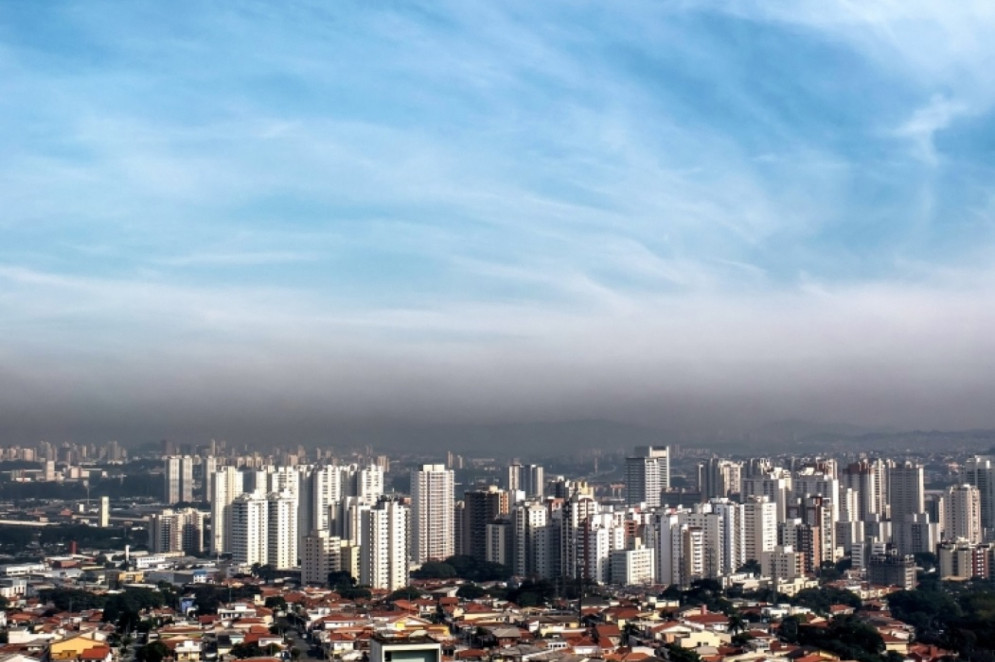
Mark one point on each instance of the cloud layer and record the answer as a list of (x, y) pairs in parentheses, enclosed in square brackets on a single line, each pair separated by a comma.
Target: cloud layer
[(265, 222)]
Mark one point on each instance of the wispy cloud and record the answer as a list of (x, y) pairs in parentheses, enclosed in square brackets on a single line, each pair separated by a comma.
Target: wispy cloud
[(236, 259), (683, 189), (925, 122)]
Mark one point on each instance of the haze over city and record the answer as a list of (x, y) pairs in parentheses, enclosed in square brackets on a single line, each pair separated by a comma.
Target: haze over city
[(307, 222)]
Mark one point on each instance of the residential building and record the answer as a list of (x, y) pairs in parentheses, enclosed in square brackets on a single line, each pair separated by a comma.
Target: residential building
[(432, 534)]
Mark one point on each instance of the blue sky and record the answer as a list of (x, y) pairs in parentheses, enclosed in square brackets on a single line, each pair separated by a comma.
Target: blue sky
[(540, 209)]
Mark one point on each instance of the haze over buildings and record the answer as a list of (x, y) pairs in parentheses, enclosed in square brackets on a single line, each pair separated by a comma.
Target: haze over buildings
[(316, 221)]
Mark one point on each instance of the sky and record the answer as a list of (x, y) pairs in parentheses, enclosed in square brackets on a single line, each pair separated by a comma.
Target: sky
[(269, 221)]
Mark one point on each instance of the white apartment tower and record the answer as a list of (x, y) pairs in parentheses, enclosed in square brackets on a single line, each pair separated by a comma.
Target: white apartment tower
[(514, 478), (177, 531), (647, 474), (432, 535), (326, 493), (775, 485), (282, 536), (321, 556), (980, 472), (105, 512), (366, 482), (535, 481), (226, 485), (531, 540), (962, 511), (250, 529), (759, 527), (906, 494), (384, 552), (178, 478)]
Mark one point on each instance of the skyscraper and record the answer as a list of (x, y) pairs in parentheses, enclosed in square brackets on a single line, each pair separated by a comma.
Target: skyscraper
[(321, 556), (514, 481), (431, 513), (177, 531), (250, 529), (282, 536), (535, 483), (906, 494), (178, 478), (384, 551), (963, 514), (980, 472), (481, 507), (759, 527), (226, 485), (862, 478), (719, 478), (105, 512), (647, 474)]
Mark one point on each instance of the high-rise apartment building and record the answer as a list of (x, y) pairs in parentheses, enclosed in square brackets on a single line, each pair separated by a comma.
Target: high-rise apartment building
[(281, 538), (384, 551), (432, 535), (481, 507), (226, 485), (862, 477), (321, 556), (531, 539), (513, 478), (177, 531), (759, 527), (775, 485), (250, 529), (980, 472), (906, 495), (535, 483), (719, 478), (178, 478), (326, 491), (962, 509), (647, 475), (366, 482), (105, 512)]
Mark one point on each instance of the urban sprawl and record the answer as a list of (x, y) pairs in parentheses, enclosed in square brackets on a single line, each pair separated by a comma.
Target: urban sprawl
[(656, 553)]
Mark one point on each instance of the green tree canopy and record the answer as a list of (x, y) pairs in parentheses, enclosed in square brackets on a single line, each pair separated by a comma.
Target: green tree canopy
[(155, 651)]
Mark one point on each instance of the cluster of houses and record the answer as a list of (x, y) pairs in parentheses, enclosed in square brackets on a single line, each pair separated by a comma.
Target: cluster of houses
[(436, 626)]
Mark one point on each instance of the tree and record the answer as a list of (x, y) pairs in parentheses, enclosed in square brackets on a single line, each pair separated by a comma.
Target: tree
[(532, 593), (209, 597), (276, 603), (677, 653), (927, 560), (354, 592), (752, 566), (846, 636), (470, 592), (155, 651), (65, 599), (345, 585), (737, 623), (828, 572), (434, 570), (820, 599), (243, 650), (267, 573), (340, 578), (741, 638), (406, 593), (124, 608)]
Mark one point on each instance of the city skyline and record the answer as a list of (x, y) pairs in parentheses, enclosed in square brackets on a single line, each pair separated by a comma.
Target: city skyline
[(312, 222)]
